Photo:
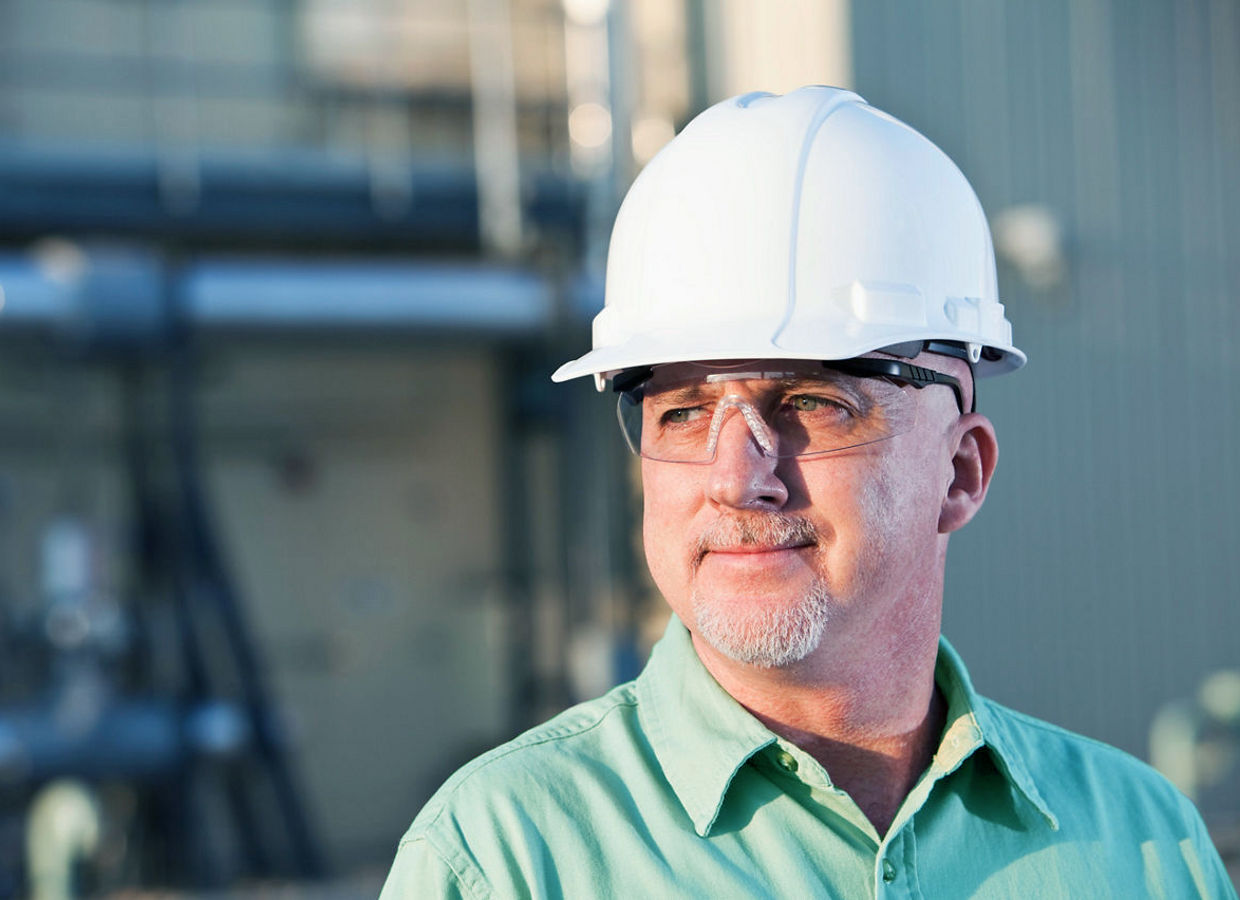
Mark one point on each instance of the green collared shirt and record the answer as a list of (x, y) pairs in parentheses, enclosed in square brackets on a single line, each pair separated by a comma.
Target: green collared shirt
[(667, 787)]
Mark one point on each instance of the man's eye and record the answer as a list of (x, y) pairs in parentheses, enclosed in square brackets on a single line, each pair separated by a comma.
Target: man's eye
[(810, 403), (683, 415)]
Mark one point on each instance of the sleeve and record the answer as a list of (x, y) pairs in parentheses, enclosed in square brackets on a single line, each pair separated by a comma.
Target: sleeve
[(420, 873)]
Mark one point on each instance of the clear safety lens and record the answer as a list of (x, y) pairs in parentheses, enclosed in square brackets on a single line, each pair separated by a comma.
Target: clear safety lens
[(802, 412)]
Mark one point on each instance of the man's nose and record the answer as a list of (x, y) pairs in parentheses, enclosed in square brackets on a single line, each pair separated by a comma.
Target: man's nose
[(742, 475)]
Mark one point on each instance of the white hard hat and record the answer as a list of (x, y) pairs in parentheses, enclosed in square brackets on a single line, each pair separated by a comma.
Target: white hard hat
[(803, 226)]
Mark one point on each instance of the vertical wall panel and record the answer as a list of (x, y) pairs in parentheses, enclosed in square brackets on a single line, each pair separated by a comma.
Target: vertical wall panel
[(1101, 579)]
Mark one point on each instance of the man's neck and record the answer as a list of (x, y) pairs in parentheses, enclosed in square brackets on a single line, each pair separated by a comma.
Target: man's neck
[(872, 720)]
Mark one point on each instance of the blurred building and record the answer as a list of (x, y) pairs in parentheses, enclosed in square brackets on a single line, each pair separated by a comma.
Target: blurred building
[(282, 282)]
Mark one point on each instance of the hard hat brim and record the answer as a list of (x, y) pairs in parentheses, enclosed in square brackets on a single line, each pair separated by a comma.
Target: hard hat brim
[(686, 347)]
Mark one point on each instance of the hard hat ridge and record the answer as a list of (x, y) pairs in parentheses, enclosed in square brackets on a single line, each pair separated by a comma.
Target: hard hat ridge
[(808, 225)]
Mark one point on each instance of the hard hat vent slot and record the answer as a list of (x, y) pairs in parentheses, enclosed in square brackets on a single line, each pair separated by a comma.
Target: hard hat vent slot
[(886, 304)]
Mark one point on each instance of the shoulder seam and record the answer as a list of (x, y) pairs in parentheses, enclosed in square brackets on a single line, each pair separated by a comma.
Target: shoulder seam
[(1067, 735), (536, 737), (1060, 731), (544, 735)]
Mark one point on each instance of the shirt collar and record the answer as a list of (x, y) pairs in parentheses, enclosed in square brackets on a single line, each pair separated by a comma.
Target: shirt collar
[(702, 736), (973, 721)]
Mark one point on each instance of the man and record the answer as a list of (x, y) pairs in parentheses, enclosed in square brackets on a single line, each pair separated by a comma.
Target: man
[(800, 292)]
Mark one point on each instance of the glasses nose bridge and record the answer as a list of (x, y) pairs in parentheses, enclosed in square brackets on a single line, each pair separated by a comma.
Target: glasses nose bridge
[(762, 433)]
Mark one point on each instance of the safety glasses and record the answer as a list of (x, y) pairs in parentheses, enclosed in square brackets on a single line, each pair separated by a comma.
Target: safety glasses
[(793, 409)]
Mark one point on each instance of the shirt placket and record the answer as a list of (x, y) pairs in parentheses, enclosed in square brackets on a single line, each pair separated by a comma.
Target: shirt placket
[(895, 866), (895, 875)]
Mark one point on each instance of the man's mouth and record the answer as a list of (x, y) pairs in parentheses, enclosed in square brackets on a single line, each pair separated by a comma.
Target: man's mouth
[(754, 534), (759, 548)]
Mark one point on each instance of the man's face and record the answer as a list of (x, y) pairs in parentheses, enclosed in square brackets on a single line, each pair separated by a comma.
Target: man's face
[(760, 555)]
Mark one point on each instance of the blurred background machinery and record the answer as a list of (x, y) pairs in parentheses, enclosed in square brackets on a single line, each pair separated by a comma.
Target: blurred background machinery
[(292, 522)]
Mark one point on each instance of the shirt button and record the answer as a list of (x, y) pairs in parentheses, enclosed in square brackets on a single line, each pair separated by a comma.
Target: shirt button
[(889, 871), (786, 761)]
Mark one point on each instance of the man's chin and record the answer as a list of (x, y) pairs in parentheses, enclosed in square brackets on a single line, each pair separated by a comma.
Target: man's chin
[(763, 633)]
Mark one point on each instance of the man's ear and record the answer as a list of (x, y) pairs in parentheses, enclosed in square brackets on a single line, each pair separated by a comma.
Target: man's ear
[(973, 464)]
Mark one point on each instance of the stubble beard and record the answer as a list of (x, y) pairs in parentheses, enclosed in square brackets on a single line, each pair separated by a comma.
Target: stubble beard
[(767, 632)]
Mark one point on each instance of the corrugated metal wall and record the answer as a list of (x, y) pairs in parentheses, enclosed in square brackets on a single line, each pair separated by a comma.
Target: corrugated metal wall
[(1101, 579)]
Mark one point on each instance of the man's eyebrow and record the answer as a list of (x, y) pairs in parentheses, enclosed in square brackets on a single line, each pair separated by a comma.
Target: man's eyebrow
[(798, 381), (690, 393)]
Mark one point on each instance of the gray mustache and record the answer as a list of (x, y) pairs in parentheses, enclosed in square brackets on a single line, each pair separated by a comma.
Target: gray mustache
[(755, 529)]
